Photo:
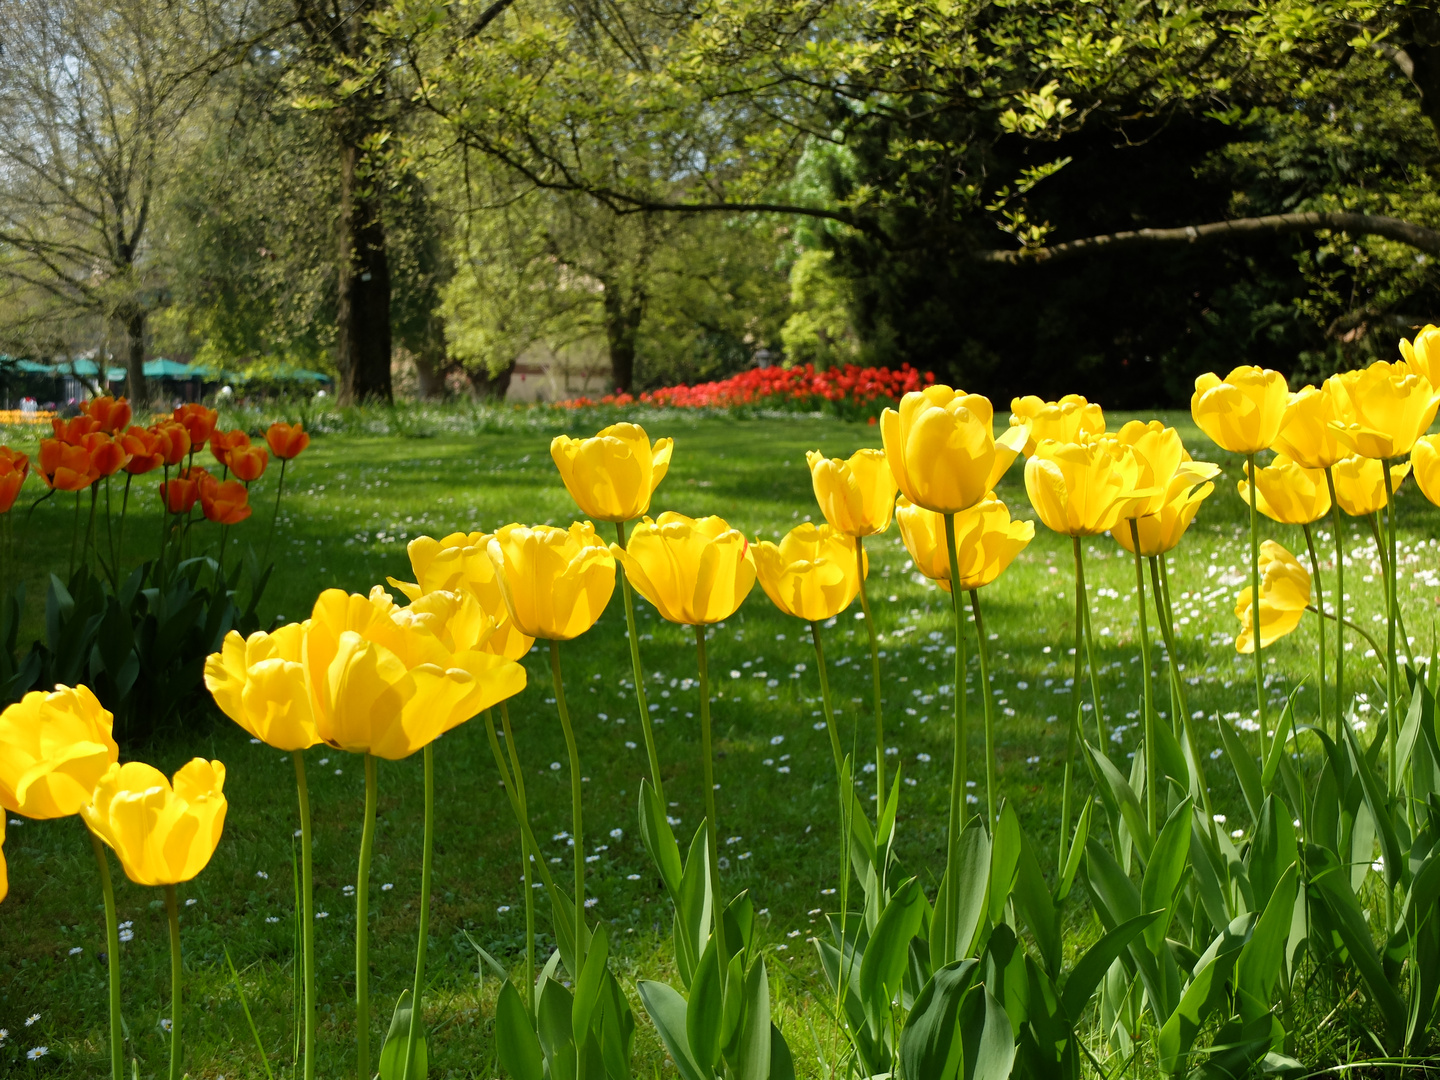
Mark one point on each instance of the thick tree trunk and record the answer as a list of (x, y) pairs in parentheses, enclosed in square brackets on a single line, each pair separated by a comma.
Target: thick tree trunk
[(430, 371), (1416, 51), (622, 325), (489, 387), (135, 388), (363, 308)]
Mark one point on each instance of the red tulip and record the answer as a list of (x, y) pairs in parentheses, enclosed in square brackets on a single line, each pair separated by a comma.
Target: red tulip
[(198, 421)]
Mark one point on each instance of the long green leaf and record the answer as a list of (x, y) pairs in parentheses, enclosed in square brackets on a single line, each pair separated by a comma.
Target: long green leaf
[(1202, 997), (1260, 959), (1379, 804), (590, 983), (751, 1057), (882, 971), (1163, 873), (960, 908), (667, 1013), (989, 1040), (929, 1046), (515, 1040), (1251, 785), (1086, 975), (659, 840), (705, 1010), (1125, 798)]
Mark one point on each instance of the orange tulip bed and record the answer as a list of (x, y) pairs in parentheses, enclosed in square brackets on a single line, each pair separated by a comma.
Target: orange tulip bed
[(514, 715)]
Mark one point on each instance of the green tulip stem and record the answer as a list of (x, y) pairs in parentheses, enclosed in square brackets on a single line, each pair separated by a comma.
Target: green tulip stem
[(1346, 622), (1380, 532), (712, 819), (124, 507), (1255, 605), (825, 700), (536, 858), (1319, 603), (1073, 725), (1392, 688), (112, 959), (1160, 582), (307, 918), (75, 534), (517, 808), (416, 1011), (1089, 645), (1152, 795), (640, 701), (92, 543), (961, 740), (362, 923), (164, 518), (577, 822), (1337, 525), (173, 912), (275, 514), (992, 768), (874, 673)]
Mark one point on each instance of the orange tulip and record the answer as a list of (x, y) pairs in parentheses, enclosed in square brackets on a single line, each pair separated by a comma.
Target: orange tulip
[(174, 441), (112, 414), (222, 442), (198, 421), (107, 454), (225, 503), (14, 467), (179, 494), (72, 432), (65, 467), (287, 440), (248, 462), (145, 449)]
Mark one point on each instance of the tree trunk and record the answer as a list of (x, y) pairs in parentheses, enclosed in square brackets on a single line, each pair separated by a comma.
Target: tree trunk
[(622, 324), (135, 388), (1419, 58), (489, 387), (363, 308)]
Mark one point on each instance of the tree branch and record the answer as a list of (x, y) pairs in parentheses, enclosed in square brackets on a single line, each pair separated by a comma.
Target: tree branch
[(1404, 232), (486, 17)]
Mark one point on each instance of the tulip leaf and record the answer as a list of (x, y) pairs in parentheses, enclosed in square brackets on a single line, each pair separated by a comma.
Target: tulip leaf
[(987, 1037), (392, 1054), (1379, 806), (692, 907), (1076, 852), (1273, 851), (659, 839), (705, 1011), (554, 1010), (667, 1012), (1163, 872), (1035, 905), (1086, 975), (590, 983), (959, 910), (750, 1056), (1260, 959), (929, 1045), (1206, 992), (1004, 861), (1276, 750), (887, 956), (782, 1062), (1123, 796), (515, 1040), (1244, 766)]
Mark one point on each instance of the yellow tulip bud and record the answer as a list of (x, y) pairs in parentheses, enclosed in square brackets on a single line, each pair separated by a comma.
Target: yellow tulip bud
[(986, 541), (384, 683), (53, 749), (1241, 413), (1425, 460), (942, 449), (1383, 409), (857, 496), (1360, 485), (1284, 594), (694, 570), (812, 573), (1068, 420), (259, 682), (1083, 489), (1287, 492), (612, 476), (1307, 435), (1423, 355), (556, 582), (461, 563), (162, 834)]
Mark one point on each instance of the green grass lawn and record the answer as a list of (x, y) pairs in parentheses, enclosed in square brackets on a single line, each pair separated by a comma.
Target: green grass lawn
[(351, 503)]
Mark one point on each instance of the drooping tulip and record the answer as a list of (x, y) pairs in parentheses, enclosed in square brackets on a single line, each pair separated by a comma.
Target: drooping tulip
[(1243, 412), (259, 682), (1425, 460), (1288, 492), (173, 439), (1162, 530), (695, 571), (198, 422), (1307, 433), (856, 494), (64, 466), (1423, 354), (1284, 594), (1383, 409), (163, 833), (986, 541), (1083, 489), (112, 414), (1360, 485), (612, 476), (942, 449), (145, 449), (383, 683), (247, 462), (461, 562), (54, 747), (556, 582), (286, 441), (1068, 420), (14, 467), (811, 574)]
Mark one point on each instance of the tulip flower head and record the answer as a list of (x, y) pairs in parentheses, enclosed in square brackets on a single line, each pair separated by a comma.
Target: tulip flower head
[(162, 832), (986, 541), (65, 466), (812, 573), (856, 495), (146, 454), (1165, 466), (1284, 595), (286, 441), (111, 414), (695, 571), (107, 454), (1360, 485), (1425, 460), (259, 682), (198, 422), (1423, 354), (1068, 420), (178, 494), (247, 463), (74, 430), (173, 441), (1084, 488), (14, 467), (612, 476), (942, 449), (54, 747), (461, 563), (1288, 492), (1243, 412), (1162, 530), (556, 582), (224, 502), (222, 442), (1383, 409), (1307, 433)]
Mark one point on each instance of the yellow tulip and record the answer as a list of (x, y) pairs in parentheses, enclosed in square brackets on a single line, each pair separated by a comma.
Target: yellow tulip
[(1360, 485), (1425, 460), (53, 749), (259, 682), (1068, 420), (857, 496), (1287, 492), (1383, 409), (812, 573), (1306, 432), (1164, 463), (556, 582), (384, 683), (162, 834), (1161, 531), (1083, 489), (986, 541), (461, 563), (612, 476), (694, 570), (942, 449), (1423, 355), (1284, 594), (1241, 413)]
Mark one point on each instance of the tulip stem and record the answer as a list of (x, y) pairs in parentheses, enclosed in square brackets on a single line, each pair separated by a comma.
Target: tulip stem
[(961, 736), (825, 700), (874, 673), (307, 919), (275, 514), (1346, 622), (1255, 607), (641, 703), (173, 911), (75, 534), (112, 960), (362, 922), (1160, 580), (577, 823), (1074, 719), (416, 1012), (1089, 643), (1152, 809), (992, 767), (1319, 604), (124, 507), (1392, 674), (712, 819), (1337, 525)]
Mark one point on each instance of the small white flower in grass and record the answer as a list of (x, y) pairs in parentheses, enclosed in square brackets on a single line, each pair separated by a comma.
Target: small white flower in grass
[(262, 875), (322, 914), (617, 834), (1378, 866), (31, 1020), (323, 761), (387, 886), (819, 725), (165, 1024), (554, 766), (629, 745), (1215, 754), (745, 855), (794, 933), (1032, 760), (272, 918), (1236, 834), (254, 742), (127, 935), (16, 821), (591, 901), (776, 740), (191, 902), (503, 909), (923, 757), (783, 769), (77, 950), (827, 892), (1219, 819), (602, 716), (36, 1053), (972, 800)]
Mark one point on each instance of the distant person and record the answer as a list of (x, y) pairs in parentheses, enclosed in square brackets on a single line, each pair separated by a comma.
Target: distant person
[(29, 405)]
